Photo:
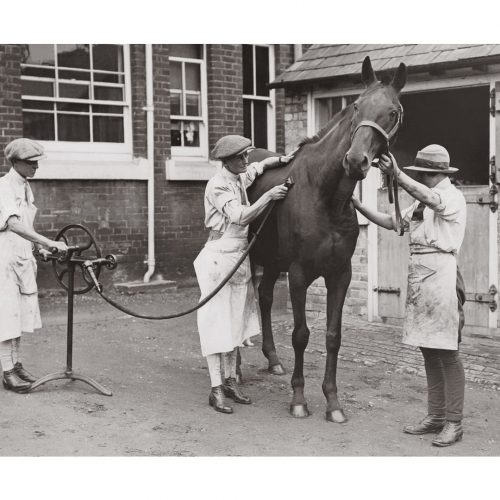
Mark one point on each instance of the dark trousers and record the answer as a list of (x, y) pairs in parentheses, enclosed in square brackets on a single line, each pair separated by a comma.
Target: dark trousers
[(445, 383)]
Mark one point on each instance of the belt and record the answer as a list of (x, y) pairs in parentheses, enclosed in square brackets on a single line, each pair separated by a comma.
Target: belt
[(214, 235)]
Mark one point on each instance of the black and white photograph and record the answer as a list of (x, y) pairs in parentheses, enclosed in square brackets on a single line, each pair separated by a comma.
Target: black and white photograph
[(233, 251)]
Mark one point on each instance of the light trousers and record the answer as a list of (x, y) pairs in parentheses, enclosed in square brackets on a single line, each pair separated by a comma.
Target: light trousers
[(221, 363)]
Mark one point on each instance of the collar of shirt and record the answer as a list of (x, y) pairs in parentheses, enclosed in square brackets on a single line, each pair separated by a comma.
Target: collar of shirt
[(15, 177), (444, 184), (229, 175)]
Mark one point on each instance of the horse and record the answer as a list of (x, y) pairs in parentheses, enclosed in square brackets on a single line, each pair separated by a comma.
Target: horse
[(313, 231)]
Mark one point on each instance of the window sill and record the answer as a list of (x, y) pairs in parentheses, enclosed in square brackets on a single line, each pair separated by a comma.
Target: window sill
[(178, 169), (69, 169)]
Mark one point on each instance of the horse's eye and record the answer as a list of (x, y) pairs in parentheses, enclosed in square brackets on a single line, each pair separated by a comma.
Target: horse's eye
[(394, 113), (356, 107)]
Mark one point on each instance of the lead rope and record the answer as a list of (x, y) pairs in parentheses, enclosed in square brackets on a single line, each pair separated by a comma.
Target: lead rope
[(288, 183)]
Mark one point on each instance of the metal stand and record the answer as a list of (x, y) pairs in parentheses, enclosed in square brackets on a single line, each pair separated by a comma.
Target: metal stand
[(87, 266)]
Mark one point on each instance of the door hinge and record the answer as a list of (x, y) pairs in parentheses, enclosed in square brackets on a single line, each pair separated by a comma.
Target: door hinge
[(492, 103), (484, 298), (493, 170), (388, 289), (491, 202)]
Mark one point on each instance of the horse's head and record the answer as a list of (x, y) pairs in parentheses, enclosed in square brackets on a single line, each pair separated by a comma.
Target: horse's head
[(376, 117)]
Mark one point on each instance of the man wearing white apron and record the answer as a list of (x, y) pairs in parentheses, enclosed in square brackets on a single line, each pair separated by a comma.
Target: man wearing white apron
[(436, 293), (19, 312), (230, 318)]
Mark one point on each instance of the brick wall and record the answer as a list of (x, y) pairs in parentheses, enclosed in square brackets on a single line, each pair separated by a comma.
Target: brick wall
[(283, 59), (295, 117)]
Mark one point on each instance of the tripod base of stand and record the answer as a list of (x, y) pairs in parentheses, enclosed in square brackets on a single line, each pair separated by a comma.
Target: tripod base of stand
[(69, 375)]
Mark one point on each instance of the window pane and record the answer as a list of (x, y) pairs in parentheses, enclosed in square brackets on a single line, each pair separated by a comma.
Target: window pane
[(175, 133), (73, 128), (108, 93), (108, 129), (103, 108), (193, 77), (260, 124), (191, 134), (247, 118), (74, 75), (175, 103), (326, 109), (29, 87), (43, 72), (191, 51), (193, 105), (175, 75), (73, 55), (38, 126), (73, 91), (248, 69), (262, 69), (108, 77), (37, 105), (67, 106), (38, 54), (108, 57)]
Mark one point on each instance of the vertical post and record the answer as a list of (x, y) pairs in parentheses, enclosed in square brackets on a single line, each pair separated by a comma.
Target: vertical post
[(69, 346), (493, 219)]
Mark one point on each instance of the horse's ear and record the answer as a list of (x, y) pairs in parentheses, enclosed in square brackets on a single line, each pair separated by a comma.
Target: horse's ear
[(367, 73), (399, 80)]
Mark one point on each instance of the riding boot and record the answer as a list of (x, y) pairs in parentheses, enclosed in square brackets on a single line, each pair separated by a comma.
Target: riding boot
[(12, 382), (23, 374), (217, 401), (231, 390), (451, 433), (430, 424)]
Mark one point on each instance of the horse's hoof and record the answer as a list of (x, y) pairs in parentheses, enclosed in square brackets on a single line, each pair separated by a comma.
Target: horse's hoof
[(336, 416), (277, 369), (299, 411)]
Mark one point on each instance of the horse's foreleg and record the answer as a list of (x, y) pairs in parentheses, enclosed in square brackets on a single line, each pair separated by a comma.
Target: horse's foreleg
[(300, 338), (337, 288), (266, 288)]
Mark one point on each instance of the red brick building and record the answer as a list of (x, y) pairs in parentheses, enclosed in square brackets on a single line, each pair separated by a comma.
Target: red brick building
[(89, 106)]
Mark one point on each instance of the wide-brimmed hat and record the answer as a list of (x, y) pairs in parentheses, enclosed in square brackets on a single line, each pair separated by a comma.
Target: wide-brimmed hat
[(230, 145), (24, 149), (433, 158)]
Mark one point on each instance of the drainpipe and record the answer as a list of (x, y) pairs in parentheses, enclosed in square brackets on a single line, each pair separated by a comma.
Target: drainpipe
[(151, 160)]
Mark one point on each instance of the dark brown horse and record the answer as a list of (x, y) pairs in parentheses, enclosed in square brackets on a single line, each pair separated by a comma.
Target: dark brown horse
[(313, 231)]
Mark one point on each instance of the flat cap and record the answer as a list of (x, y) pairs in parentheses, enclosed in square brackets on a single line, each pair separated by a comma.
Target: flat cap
[(230, 145), (24, 149)]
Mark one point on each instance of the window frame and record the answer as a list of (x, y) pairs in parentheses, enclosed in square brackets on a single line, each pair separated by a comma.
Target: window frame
[(201, 151), (117, 151), (271, 99)]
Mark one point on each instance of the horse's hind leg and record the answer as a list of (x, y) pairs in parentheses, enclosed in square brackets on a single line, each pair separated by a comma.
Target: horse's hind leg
[(300, 338), (266, 288), (337, 288)]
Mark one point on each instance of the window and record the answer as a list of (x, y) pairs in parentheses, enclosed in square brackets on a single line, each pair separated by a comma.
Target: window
[(74, 93), (188, 100), (327, 107), (258, 118)]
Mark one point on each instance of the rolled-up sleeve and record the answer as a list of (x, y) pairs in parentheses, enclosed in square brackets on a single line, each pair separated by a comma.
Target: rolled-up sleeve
[(8, 206), (253, 171), (227, 202), (406, 215), (450, 206)]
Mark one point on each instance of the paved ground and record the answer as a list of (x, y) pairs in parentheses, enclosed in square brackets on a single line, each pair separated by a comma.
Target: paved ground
[(160, 389)]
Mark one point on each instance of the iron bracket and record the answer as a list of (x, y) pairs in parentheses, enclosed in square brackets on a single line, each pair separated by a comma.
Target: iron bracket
[(493, 108), (388, 289)]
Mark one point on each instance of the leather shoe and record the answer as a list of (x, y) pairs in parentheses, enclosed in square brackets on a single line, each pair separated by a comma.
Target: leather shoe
[(217, 401), (430, 424), (23, 374), (451, 433), (12, 382), (231, 390)]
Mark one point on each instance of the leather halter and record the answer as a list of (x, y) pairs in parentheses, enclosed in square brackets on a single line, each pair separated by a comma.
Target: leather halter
[(392, 178)]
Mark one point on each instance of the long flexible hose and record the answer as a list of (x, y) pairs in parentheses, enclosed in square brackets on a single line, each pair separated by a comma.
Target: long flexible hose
[(208, 297)]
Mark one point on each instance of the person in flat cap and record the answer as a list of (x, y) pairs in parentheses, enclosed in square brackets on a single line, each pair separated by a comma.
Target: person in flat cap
[(230, 319), (436, 293), (19, 311)]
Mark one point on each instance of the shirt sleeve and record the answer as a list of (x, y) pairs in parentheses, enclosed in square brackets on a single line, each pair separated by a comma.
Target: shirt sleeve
[(450, 206), (226, 202), (253, 171), (8, 206)]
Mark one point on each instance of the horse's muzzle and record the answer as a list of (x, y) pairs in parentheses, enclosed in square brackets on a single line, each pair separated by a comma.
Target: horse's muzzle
[(356, 166)]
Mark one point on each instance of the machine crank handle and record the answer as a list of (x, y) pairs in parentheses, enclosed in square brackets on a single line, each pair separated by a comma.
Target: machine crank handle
[(89, 266)]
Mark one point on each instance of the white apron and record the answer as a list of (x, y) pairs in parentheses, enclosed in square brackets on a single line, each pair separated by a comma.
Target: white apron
[(19, 309), (432, 318), (231, 317)]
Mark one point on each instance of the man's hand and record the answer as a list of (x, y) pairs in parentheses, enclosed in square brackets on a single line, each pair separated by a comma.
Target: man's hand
[(288, 158), (60, 245), (278, 192), (388, 164)]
